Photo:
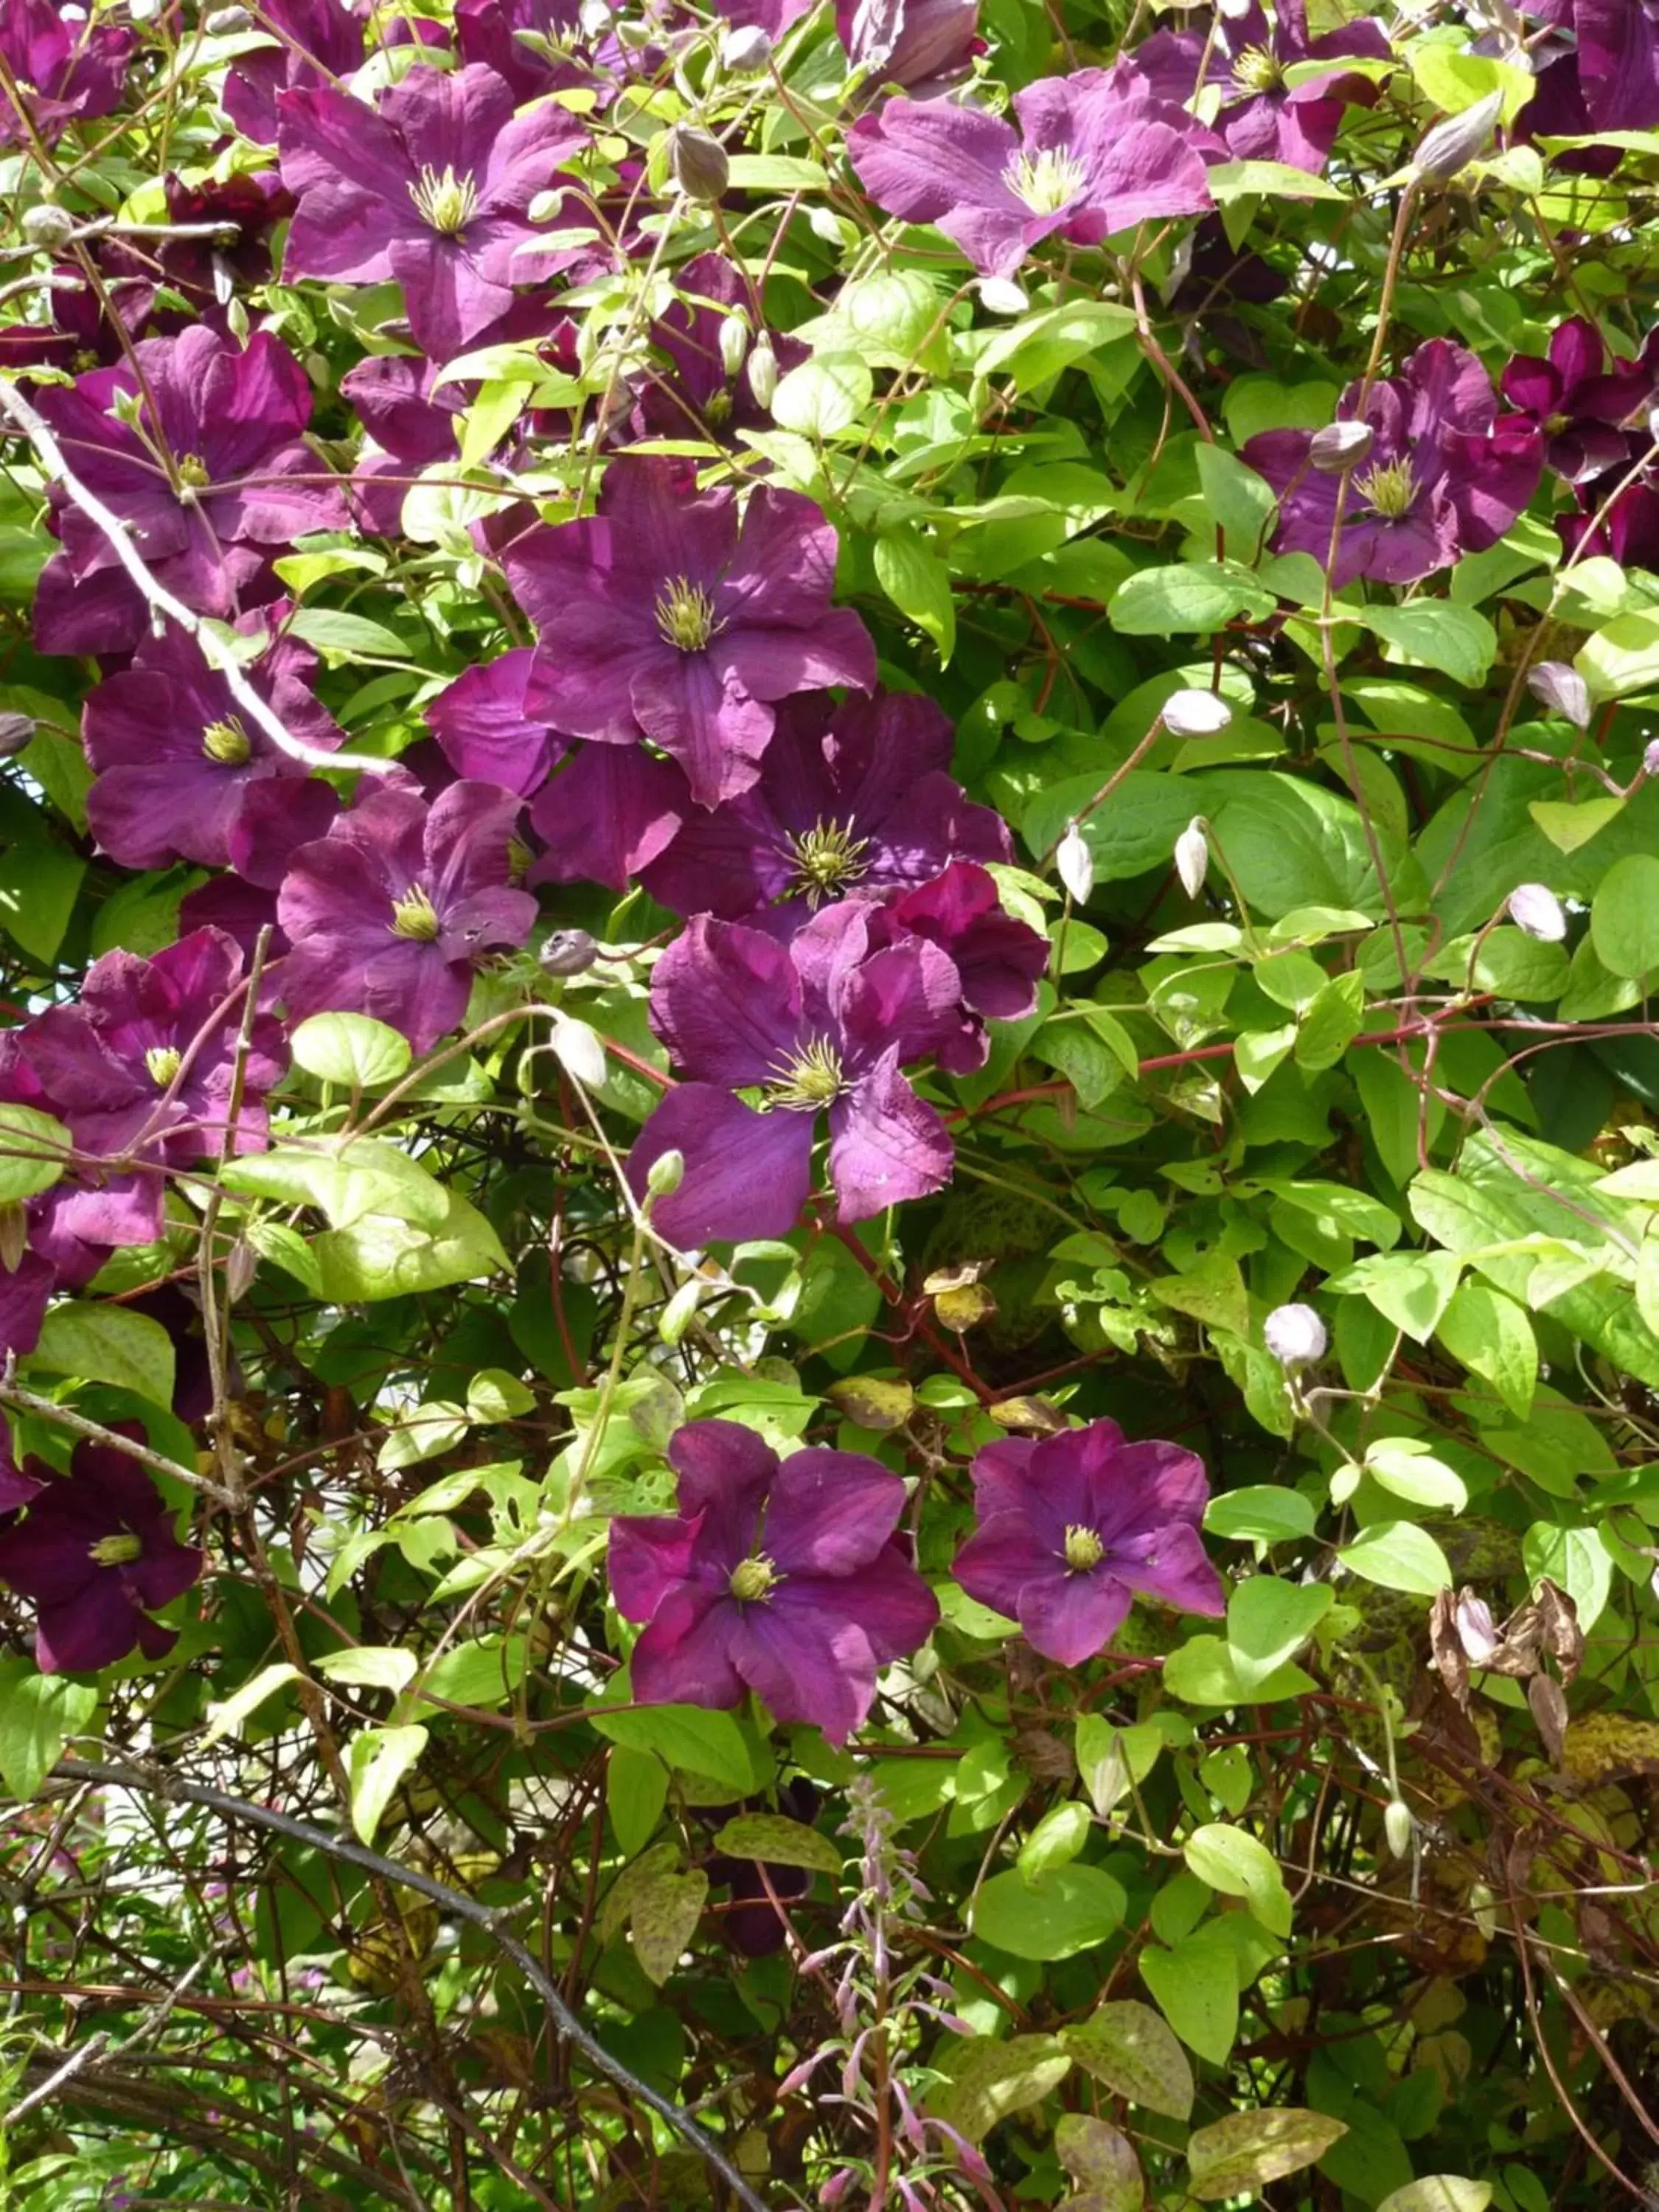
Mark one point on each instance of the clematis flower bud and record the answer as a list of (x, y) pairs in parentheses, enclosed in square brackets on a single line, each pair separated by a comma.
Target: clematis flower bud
[(1075, 865), (1398, 1826), (1650, 758), (16, 732), (226, 22), (1341, 446), (1001, 295), (1296, 1335), (568, 952), (48, 227), (763, 372), (666, 1175), (743, 50), (1192, 856), (1195, 714), (1535, 908), (579, 1050), (1452, 144), (1563, 690), (734, 343), (697, 163)]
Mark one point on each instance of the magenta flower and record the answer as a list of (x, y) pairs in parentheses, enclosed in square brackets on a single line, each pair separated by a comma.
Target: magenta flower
[(276, 818), (486, 735), (66, 69), (388, 913), (315, 40), (1072, 1529), (781, 1577), (97, 1554), (487, 30), (923, 45), (1583, 409), (856, 799), (1446, 475), (215, 472), (667, 616), (1095, 153), (1618, 62), (999, 959), (174, 757), (1262, 117), (432, 188), (606, 815), (16, 1488), (821, 1025)]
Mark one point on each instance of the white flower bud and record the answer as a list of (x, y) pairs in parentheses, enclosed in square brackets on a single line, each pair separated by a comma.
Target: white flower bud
[(1195, 714), (1535, 908), (226, 22), (733, 342), (763, 372), (676, 1317), (1341, 446), (746, 49), (242, 1265), (1563, 690), (16, 735), (1452, 144), (1075, 865), (1001, 295), (1650, 758), (48, 227), (667, 1174), (579, 1052), (1295, 1335), (1192, 856), (1398, 1826)]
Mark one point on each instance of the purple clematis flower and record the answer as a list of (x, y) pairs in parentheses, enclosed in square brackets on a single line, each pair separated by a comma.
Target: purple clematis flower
[(1618, 62), (65, 70), (276, 818), (432, 188), (488, 31), (1263, 118), (1583, 409), (1095, 153), (856, 799), (781, 1577), (174, 759), (1446, 476), (668, 616), (999, 959), (16, 1488), (822, 1025), (97, 1554), (215, 472), (923, 45), (486, 735), (1072, 1527), (315, 41), (388, 913), (606, 815)]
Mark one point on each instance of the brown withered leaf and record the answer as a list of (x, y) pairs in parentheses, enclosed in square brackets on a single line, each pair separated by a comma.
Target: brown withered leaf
[(1027, 1417), (1548, 1701)]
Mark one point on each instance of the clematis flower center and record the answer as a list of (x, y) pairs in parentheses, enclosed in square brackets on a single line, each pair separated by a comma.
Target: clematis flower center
[(1256, 69), (1045, 182), (685, 615), (118, 1551), (445, 202), (193, 471), (751, 1580), (163, 1062), (228, 742), (413, 915), (827, 857), (1084, 1549), (810, 1079), (1390, 488)]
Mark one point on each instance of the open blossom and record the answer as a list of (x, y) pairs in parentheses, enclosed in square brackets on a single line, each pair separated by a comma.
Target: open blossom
[(387, 914), (923, 45), (819, 1026), (851, 800), (487, 30), (672, 617), (1262, 117), (606, 815), (96, 1553), (175, 756), (432, 188), (484, 729), (1446, 475), (213, 473), (66, 67), (312, 41), (1072, 1527), (1095, 153), (781, 1577), (1584, 409)]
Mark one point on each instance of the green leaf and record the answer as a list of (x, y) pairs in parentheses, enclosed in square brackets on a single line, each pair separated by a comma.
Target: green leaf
[(1454, 80), (350, 1050), (1439, 2192), (1411, 1290), (1407, 1468), (1397, 1555), (1235, 498), (824, 396), (685, 1738), (381, 1257), (1067, 1910), (33, 1153), (1102, 2161), (37, 1714), (1238, 1865), (1269, 1620), (1195, 1986), (40, 882), (1624, 917), (1091, 1066), (1293, 843), (1133, 833), (1039, 346), (369, 1667), (1200, 1672), (340, 636), (636, 1791), (985, 2080), (104, 1343), (1247, 2150), (919, 584), (484, 1673), (345, 1181), (1129, 2048), (1568, 825), (1212, 1289), (1577, 1560), (1262, 1511), (376, 1762), (1198, 595), (662, 1912), (777, 1840), (492, 1395), (1458, 640), (1623, 658), (1493, 1338), (226, 1715), (1282, 180), (1056, 1840)]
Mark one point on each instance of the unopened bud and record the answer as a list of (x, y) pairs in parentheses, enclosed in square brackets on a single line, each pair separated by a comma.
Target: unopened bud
[(16, 735), (579, 1052), (1001, 295), (1451, 145), (1341, 446), (697, 163), (676, 1317), (1192, 856), (1535, 908), (667, 1174), (1650, 758), (1295, 1335), (226, 22), (763, 372), (47, 227), (1563, 690), (745, 49), (242, 1265), (734, 343), (568, 952), (1195, 714), (1398, 1826), (1075, 866)]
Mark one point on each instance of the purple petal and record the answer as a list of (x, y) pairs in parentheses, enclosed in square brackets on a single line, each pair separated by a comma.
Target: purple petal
[(747, 1174), (831, 1512), (885, 1144), (1068, 1617)]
